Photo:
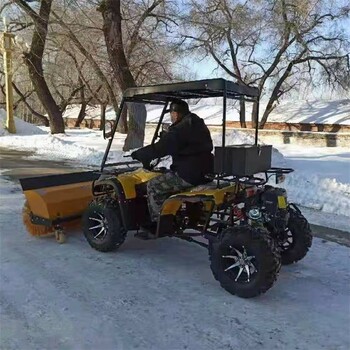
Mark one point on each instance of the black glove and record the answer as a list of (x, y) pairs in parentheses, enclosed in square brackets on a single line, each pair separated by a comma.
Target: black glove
[(140, 156), (133, 155)]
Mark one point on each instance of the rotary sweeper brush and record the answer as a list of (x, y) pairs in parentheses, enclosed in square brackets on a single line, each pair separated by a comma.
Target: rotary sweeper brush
[(55, 202)]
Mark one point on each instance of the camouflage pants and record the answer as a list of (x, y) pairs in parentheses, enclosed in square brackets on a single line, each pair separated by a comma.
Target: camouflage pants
[(161, 188)]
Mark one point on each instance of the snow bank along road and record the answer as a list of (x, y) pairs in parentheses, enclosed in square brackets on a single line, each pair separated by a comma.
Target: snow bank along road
[(158, 295)]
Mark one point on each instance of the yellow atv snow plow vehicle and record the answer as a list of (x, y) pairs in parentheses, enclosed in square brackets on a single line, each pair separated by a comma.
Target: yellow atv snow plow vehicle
[(249, 226)]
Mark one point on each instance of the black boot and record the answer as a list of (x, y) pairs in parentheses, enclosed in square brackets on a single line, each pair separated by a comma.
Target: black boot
[(148, 231)]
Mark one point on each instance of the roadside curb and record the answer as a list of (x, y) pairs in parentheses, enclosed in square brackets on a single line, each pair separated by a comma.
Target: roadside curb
[(331, 234)]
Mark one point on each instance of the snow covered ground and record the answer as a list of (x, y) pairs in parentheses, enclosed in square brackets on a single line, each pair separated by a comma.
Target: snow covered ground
[(161, 294), (321, 180), (158, 295)]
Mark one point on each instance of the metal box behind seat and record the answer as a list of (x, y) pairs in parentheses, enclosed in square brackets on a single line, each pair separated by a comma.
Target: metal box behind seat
[(242, 160)]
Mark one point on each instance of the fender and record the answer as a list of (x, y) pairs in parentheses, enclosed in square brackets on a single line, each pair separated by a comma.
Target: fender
[(111, 185)]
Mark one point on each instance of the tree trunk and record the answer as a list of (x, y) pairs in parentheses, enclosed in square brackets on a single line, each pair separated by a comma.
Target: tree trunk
[(255, 106), (103, 116), (269, 108), (274, 95), (137, 124), (34, 65), (112, 29), (41, 117), (82, 114), (123, 121), (33, 60), (242, 114)]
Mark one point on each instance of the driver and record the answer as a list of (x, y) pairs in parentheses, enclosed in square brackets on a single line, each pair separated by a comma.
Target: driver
[(189, 143)]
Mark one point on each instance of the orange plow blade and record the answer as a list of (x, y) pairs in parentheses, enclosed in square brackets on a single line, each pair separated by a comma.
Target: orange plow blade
[(56, 199)]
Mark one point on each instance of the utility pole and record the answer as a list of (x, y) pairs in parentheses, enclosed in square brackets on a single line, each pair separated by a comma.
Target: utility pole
[(7, 48)]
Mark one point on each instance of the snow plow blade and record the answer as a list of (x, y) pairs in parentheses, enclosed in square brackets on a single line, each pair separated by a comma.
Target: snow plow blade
[(55, 199)]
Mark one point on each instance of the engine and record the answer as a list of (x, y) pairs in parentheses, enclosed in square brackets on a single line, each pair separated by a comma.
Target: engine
[(269, 207)]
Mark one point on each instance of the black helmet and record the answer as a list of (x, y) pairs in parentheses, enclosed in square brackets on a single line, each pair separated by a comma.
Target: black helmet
[(179, 106)]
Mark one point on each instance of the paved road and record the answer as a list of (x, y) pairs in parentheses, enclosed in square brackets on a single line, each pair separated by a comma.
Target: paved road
[(19, 164)]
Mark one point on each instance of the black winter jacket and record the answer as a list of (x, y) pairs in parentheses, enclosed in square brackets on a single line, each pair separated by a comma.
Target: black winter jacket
[(190, 145)]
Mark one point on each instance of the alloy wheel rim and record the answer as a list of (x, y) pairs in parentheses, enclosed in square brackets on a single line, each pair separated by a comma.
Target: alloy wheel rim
[(288, 242), (101, 226), (238, 263)]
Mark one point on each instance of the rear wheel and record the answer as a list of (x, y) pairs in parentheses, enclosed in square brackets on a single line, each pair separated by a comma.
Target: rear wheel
[(102, 225), (298, 238), (245, 261)]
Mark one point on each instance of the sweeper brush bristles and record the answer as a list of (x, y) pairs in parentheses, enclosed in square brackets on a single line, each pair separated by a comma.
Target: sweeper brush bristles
[(41, 230), (35, 230)]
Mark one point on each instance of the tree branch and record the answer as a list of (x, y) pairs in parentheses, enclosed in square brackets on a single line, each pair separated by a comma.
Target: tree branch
[(28, 10), (139, 23), (66, 102), (43, 118), (90, 58)]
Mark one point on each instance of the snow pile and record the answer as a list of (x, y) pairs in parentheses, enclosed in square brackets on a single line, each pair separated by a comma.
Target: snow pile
[(301, 111), (313, 192), (233, 137), (59, 147), (22, 128)]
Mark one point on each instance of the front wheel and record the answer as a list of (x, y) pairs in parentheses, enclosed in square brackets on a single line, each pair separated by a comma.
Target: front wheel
[(102, 225), (298, 238), (245, 261)]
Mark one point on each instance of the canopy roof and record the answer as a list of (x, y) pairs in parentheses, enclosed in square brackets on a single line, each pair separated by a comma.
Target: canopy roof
[(191, 90)]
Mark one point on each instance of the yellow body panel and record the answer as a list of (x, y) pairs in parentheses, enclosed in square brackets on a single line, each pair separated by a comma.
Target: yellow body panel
[(173, 204), (129, 180), (282, 202), (60, 201), (217, 193)]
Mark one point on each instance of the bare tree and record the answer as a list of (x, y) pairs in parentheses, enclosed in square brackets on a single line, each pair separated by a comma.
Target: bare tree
[(271, 44), (34, 62), (89, 56), (121, 56), (81, 68), (112, 29)]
